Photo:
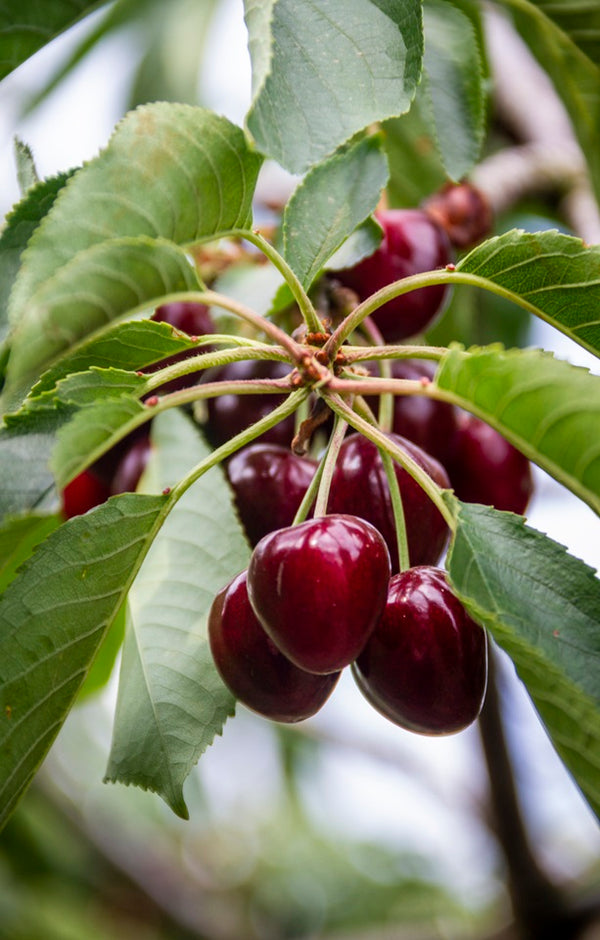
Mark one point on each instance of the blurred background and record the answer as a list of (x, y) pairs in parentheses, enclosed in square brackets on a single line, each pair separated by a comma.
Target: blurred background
[(345, 826)]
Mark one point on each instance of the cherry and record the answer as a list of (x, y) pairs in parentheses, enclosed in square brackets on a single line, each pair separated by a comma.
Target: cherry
[(412, 243), (488, 469), (83, 493), (430, 424), (463, 211), (252, 667), (131, 466), (425, 665), (269, 483), (318, 589), (359, 486), (230, 414), (189, 317)]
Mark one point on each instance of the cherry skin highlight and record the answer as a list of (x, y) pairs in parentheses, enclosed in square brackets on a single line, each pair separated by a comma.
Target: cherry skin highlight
[(230, 414), (269, 483), (412, 244), (425, 665), (318, 589), (488, 469), (252, 667), (359, 486)]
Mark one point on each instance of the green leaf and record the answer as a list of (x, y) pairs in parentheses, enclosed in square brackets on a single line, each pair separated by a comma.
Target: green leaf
[(91, 432), (27, 25), (18, 538), (169, 171), (577, 19), (363, 242), (332, 68), (416, 169), (27, 174), (171, 701), (92, 289), (53, 617), (19, 225), (103, 663), (454, 83), (576, 78), (555, 276), (548, 408), (131, 346), (543, 607), (329, 204)]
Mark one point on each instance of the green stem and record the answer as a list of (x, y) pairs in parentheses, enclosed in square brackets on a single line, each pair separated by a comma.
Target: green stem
[(214, 358), (328, 462), (310, 495), (374, 434), (398, 509), (307, 310), (213, 299), (240, 440), (386, 400), (359, 353)]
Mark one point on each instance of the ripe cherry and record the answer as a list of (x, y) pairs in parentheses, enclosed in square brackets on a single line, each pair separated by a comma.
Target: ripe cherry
[(429, 423), (230, 414), (425, 665), (252, 667), (318, 589), (359, 486), (83, 493), (412, 243), (131, 465), (189, 317), (269, 483), (488, 469)]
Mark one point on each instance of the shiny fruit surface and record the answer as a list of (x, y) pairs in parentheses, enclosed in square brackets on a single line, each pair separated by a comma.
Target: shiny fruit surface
[(318, 589), (252, 667), (425, 665), (488, 469), (131, 465), (269, 483), (412, 244), (359, 486)]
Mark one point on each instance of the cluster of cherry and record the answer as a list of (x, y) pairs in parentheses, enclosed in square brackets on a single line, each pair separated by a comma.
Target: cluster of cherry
[(327, 593)]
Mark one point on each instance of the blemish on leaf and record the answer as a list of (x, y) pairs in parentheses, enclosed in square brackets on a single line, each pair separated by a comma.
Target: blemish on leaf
[(8, 711)]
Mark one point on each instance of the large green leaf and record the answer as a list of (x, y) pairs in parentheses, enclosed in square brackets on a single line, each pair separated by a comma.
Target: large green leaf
[(171, 701), (169, 171), (543, 607), (549, 409), (555, 276), (19, 225), (329, 204), (53, 617), (578, 19), (575, 76), (93, 288), (27, 25), (331, 68), (18, 538), (454, 82)]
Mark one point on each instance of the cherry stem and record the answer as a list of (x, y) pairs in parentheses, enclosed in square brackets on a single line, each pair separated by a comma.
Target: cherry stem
[(245, 437), (220, 357), (313, 323), (359, 353), (374, 434), (386, 400), (328, 465), (398, 509)]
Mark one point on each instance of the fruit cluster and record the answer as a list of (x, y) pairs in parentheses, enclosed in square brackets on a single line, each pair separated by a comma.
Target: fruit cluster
[(328, 592)]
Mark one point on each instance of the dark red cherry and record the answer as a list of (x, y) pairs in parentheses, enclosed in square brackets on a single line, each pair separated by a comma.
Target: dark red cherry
[(463, 211), (318, 589), (359, 486), (83, 493), (252, 667), (269, 483), (488, 469), (230, 414), (189, 317), (425, 665), (131, 466), (429, 423), (412, 244)]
